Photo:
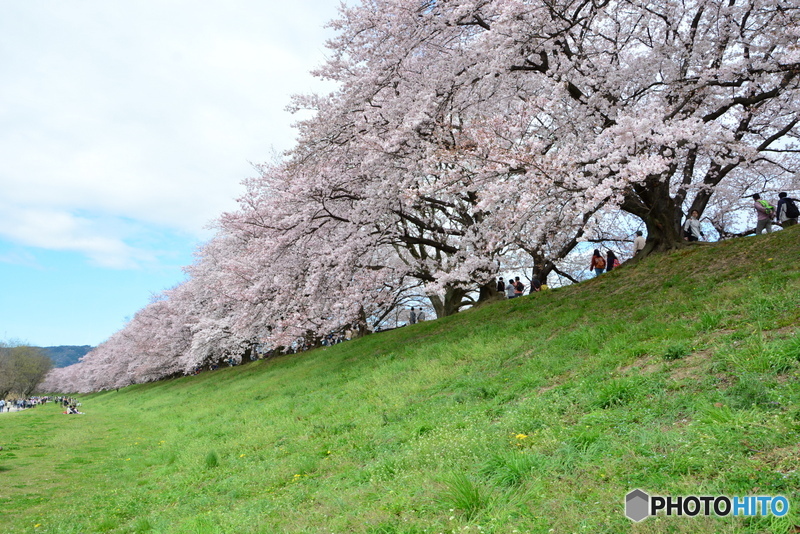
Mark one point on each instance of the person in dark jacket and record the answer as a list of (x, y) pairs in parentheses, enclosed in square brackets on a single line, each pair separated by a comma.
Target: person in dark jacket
[(611, 261), (536, 285), (501, 286), (785, 208)]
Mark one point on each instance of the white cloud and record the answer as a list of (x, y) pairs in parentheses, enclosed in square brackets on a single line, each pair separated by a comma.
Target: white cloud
[(102, 241), (146, 112)]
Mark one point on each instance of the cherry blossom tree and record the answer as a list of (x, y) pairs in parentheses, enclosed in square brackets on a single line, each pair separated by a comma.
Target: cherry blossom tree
[(470, 137), (288, 270), (649, 106)]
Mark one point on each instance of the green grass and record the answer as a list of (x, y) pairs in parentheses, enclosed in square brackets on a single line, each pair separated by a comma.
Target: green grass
[(677, 376)]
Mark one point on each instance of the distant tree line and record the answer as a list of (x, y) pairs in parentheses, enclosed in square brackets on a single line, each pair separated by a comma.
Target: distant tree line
[(22, 368), (64, 355)]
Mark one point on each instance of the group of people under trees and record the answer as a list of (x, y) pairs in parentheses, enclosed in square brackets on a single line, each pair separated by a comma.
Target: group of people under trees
[(600, 265), (20, 404), (14, 405), (785, 214), (70, 405), (515, 288)]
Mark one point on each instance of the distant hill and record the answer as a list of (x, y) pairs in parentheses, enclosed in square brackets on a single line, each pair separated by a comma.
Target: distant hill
[(65, 355)]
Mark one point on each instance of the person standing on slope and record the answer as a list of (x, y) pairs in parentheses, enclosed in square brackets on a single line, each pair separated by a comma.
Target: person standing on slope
[(611, 261), (787, 212), (638, 243), (519, 287), (764, 214), (510, 290), (691, 228), (598, 263)]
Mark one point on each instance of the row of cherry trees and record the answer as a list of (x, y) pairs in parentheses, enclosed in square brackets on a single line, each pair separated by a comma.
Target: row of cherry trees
[(475, 137)]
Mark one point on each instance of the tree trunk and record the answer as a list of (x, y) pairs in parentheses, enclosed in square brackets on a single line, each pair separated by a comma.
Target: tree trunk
[(488, 292), (663, 231), (652, 203), (359, 328), (452, 302), (542, 267)]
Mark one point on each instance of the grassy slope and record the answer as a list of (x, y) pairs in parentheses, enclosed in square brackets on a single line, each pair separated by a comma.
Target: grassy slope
[(677, 376)]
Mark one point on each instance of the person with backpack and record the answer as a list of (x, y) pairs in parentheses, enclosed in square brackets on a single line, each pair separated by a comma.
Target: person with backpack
[(786, 212), (598, 264), (519, 287), (764, 214), (501, 286), (691, 228)]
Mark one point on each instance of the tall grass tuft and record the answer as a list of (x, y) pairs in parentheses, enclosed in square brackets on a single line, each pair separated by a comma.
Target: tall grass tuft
[(142, 525), (619, 392), (512, 468), (676, 352), (464, 495), (212, 460)]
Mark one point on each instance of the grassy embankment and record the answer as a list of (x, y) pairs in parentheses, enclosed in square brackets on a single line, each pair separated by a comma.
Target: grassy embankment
[(678, 376)]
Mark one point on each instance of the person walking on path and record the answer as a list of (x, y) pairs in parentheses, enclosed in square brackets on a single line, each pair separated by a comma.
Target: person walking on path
[(598, 263), (691, 228), (638, 243), (786, 212), (764, 214)]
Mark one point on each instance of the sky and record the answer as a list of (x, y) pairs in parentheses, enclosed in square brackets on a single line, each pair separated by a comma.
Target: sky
[(126, 128)]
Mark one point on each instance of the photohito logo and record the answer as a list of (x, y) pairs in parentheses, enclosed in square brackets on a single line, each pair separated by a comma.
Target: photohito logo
[(639, 505)]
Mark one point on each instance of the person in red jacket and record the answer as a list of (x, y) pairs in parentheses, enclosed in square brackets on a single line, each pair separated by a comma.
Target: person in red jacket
[(598, 263)]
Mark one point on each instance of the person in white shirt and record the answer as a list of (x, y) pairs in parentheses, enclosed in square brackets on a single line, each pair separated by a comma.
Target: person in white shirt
[(691, 229), (638, 243)]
